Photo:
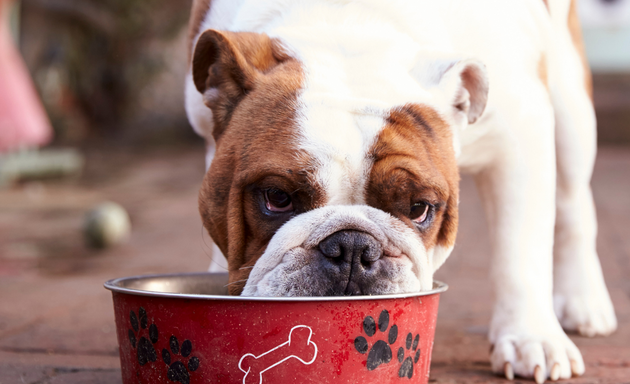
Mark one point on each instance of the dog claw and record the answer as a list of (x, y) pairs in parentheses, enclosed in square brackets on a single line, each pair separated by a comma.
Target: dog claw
[(539, 375), (509, 372), (555, 372), (575, 371)]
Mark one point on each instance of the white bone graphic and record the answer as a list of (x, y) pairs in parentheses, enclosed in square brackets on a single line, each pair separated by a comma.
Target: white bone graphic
[(255, 366)]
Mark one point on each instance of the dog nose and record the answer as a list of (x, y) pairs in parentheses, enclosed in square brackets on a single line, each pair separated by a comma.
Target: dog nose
[(350, 247)]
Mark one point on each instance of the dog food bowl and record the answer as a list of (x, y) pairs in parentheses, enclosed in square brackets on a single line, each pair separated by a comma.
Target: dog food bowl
[(184, 328)]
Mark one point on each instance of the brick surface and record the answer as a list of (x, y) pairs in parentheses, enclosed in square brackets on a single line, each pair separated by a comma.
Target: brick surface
[(56, 320)]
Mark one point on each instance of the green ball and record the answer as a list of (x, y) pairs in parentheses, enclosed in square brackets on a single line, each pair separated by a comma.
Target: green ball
[(106, 225)]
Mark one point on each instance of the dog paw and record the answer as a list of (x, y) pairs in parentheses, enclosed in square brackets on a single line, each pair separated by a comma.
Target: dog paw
[(177, 370), (380, 353), (590, 314), (139, 324), (406, 367), (539, 356)]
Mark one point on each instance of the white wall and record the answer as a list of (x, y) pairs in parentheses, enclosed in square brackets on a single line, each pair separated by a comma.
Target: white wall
[(606, 26)]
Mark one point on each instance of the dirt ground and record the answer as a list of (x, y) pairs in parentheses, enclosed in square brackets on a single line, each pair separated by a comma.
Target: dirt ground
[(56, 319)]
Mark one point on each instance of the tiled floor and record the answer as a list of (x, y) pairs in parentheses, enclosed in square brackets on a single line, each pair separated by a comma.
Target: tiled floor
[(56, 320)]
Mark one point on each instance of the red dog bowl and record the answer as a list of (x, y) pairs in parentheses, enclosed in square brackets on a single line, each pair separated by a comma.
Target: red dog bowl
[(186, 329)]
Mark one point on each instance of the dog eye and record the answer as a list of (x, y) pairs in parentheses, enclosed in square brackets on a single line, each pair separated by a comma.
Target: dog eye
[(419, 212), (278, 201)]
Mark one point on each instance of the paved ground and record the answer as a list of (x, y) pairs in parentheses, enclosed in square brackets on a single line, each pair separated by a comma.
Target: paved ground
[(56, 320)]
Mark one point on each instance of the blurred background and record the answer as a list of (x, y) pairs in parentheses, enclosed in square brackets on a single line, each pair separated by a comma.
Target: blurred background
[(107, 70), (113, 69), (106, 124)]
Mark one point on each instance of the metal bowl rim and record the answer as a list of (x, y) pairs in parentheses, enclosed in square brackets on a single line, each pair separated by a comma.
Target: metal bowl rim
[(114, 286)]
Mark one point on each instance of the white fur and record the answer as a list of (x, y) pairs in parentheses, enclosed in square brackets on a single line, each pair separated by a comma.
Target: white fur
[(363, 57), (218, 263), (200, 117), (343, 170)]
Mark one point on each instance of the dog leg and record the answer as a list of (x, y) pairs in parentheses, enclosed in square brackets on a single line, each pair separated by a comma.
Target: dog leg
[(581, 300), (518, 192)]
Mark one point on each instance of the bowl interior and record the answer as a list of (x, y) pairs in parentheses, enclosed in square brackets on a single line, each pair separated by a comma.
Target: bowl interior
[(213, 286), (190, 283)]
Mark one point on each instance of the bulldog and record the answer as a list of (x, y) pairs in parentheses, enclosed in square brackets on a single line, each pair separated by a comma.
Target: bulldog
[(336, 131)]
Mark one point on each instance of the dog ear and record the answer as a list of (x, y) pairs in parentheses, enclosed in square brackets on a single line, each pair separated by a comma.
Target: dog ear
[(226, 67), (461, 84)]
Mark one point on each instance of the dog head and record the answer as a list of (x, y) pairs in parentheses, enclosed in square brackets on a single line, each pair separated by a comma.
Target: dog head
[(319, 188)]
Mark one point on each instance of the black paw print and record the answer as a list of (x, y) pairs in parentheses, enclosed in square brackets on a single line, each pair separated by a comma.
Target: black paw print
[(146, 351), (406, 369), (380, 353), (178, 371)]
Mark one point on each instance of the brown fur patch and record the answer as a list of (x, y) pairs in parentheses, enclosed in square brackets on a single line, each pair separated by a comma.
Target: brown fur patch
[(413, 162), (232, 63), (256, 150), (576, 35)]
